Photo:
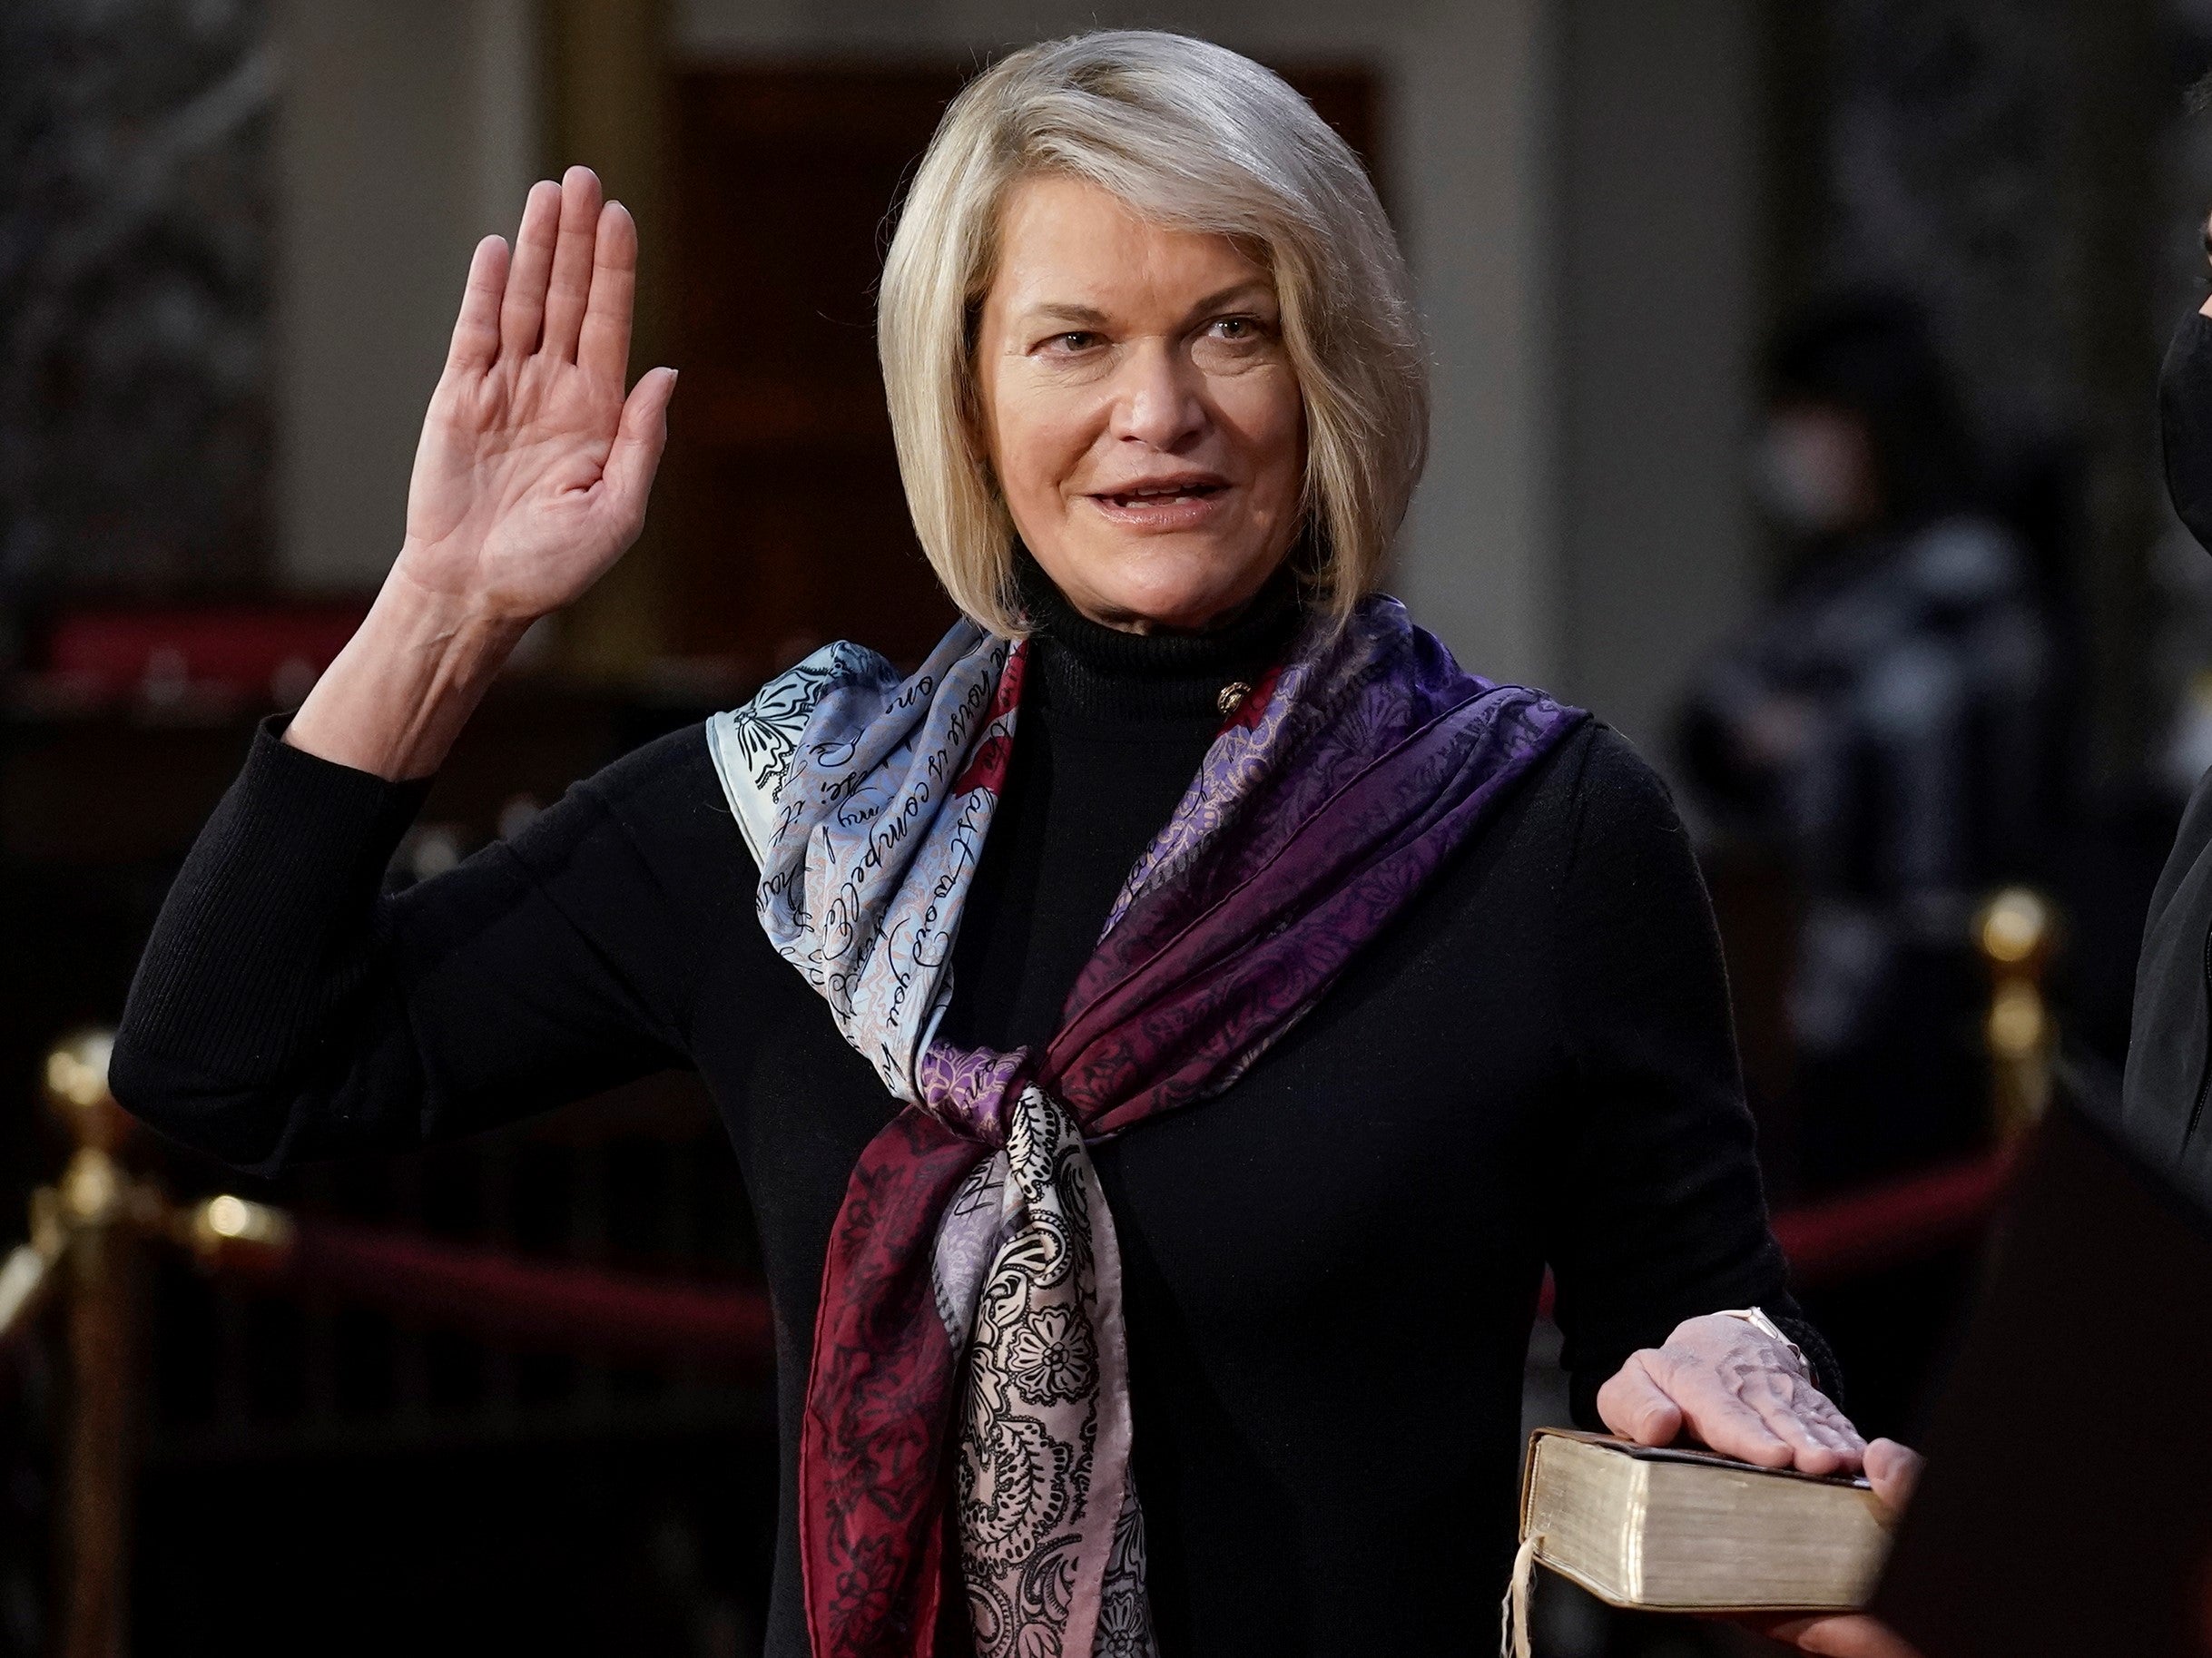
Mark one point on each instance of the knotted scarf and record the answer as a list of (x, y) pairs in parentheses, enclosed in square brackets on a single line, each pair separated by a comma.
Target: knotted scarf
[(971, 1295)]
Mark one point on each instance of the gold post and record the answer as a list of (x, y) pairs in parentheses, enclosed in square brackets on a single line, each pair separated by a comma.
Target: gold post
[(85, 1236), (2015, 933), (94, 1201)]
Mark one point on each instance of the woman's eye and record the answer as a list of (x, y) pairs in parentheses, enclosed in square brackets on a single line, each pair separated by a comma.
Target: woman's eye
[(1075, 339), (1237, 331), (1230, 345)]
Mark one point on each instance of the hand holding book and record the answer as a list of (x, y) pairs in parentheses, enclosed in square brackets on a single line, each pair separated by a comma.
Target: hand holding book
[(1674, 1529), (1890, 1469)]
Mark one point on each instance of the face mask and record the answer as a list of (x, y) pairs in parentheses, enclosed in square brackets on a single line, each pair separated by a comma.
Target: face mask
[(1809, 471)]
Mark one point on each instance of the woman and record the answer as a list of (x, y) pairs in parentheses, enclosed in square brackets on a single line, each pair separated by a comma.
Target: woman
[(1163, 1052)]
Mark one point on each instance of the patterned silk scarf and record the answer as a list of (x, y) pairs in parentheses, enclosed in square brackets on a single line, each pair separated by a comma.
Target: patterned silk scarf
[(971, 1297)]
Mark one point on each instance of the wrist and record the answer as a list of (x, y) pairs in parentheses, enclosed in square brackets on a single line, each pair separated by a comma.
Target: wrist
[(393, 700), (1757, 1318), (425, 611)]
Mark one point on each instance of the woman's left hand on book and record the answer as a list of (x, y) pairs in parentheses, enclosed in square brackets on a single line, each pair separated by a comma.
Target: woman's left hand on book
[(1734, 1389), (1726, 1384)]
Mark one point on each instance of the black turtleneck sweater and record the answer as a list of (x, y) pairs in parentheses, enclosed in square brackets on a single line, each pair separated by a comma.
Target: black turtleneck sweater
[(1112, 730), (1331, 1269)]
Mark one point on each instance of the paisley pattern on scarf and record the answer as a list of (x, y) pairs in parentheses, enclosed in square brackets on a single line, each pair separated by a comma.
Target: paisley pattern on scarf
[(969, 1379)]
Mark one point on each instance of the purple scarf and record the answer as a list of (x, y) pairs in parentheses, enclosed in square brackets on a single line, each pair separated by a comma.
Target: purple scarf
[(971, 1297)]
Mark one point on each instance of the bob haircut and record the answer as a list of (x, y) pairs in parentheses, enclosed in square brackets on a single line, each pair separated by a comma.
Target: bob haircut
[(1194, 137)]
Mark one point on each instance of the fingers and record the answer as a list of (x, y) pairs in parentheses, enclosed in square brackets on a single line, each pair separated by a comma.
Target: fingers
[(1714, 1407), (1805, 1418), (1757, 1414), (602, 349), (638, 442), (476, 332), (566, 252), (1894, 1470), (1848, 1636), (1727, 1425), (1632, 1403), (569, 288), (522, 312), (1747, 1396)]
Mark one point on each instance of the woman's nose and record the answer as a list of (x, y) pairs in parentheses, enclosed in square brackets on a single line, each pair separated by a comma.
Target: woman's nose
[(1155, 397)]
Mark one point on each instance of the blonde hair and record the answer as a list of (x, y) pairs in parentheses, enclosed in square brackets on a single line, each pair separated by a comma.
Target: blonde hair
[(1192, 136)]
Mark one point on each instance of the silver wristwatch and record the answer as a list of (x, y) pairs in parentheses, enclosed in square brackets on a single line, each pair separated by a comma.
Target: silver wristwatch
[(1765, 1326)]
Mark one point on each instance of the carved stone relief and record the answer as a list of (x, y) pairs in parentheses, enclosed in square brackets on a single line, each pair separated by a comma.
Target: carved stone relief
[(135, 245)]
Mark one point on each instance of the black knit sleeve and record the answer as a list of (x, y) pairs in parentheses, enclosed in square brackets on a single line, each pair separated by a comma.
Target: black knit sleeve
[(1660, 1214), (286, 1007)]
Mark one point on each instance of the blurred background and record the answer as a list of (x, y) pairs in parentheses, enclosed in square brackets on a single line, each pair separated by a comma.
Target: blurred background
[(1795, 365)]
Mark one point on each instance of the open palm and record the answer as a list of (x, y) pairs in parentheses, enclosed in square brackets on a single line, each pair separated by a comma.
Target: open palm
[(533, 471)]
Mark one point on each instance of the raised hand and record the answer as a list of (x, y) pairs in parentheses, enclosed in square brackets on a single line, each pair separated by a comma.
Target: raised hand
[(532, 474), (529, 482)]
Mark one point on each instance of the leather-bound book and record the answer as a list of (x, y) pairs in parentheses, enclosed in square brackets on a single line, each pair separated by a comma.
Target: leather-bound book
[(1679, 1530)]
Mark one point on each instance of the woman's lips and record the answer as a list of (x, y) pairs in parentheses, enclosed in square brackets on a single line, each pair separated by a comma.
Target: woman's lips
[(1189, 509)]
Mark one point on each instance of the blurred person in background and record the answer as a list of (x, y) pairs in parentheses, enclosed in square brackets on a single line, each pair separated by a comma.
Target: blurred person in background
[(1881, 731), (1072, 1002)]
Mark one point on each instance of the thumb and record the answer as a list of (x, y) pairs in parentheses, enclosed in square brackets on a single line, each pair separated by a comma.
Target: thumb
[(639, 439), (1893, 1470), (1633, 1404)]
